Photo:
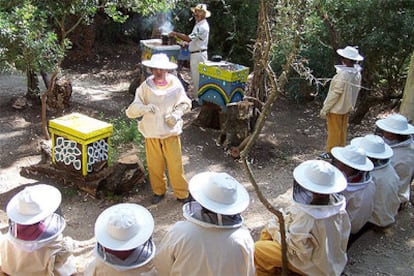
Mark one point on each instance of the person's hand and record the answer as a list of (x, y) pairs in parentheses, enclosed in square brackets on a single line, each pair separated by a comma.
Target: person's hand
[(323, 113), (172, 118), (150, 108)]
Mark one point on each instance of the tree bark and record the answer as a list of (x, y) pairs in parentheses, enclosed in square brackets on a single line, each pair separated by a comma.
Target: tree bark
[(32, 84), (407, 104)]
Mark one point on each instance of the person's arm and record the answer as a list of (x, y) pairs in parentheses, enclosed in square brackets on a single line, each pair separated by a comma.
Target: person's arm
[(335, 90), (138, 108), (180, 36)]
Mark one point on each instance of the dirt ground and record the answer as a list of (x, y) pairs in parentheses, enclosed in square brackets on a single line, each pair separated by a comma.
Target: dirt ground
[(293, 133)]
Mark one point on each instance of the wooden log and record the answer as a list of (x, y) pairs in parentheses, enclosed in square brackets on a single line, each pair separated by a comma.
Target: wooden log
[(236, 126), (119, 178)]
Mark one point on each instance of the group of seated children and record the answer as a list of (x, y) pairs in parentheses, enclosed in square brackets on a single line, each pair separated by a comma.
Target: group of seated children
[(366, 182)]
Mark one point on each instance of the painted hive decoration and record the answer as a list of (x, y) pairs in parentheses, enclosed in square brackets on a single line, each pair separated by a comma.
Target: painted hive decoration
[(222, 82), (154, 46), (80, 143)]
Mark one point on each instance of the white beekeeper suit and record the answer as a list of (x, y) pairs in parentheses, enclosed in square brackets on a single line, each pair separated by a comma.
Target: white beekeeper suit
[(123, 228), (212, 240), (360, 202), (360, 190), (403, 158), (403, 163), (44, 253), (386, 180), (316, 235)]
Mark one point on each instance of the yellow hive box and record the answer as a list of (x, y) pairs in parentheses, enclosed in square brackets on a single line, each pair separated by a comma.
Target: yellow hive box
[(224, 70), (80, 143)]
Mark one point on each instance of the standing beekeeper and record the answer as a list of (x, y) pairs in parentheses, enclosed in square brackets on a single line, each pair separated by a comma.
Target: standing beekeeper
[(341, 99), (198, 43), (160, 102)]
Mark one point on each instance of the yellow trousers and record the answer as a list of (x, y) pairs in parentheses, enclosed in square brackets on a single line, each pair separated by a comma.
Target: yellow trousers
[(337, 125), (268, 256), (165, 154)]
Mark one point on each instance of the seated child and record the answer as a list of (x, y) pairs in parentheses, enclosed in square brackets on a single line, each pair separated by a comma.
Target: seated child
[(317, 225), (34, 244)]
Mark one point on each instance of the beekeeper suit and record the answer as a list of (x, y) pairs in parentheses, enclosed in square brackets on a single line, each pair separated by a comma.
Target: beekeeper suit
[(342, 97), (317, 225), (211, 241), (386, 180), (360, 191), (34, 244), (124, 246), (397, 133)]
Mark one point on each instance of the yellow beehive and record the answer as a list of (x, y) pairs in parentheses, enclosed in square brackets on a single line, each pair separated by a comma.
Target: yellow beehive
[(80, 143)]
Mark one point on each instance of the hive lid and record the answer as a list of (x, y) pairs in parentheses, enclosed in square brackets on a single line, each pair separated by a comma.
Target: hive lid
[(80, 125)]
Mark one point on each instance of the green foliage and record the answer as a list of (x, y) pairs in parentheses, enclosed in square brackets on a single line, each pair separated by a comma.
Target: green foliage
[(125, 131), (34, 33), (25, 41), (381, 29), (232, 27)]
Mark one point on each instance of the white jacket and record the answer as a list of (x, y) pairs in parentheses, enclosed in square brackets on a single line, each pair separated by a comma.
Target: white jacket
[(199, 36), (343, 90), (316, 236), (403, 163), (360, 202), (169, 100), (51, 255), (386, 200), (195, 247)]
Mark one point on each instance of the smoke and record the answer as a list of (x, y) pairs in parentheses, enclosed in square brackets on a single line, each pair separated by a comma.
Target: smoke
[(166, 27)]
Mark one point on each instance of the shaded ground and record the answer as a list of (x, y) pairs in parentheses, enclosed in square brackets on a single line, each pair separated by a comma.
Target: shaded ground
[(292, 135)]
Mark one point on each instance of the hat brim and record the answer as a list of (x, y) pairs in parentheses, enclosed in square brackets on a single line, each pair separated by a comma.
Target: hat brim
[(166, 66), (208, 13), (200, 181), (342, 53), (299, 174), (382, 125), (52, 199), (387, 153), (145, 225), (337, 152)]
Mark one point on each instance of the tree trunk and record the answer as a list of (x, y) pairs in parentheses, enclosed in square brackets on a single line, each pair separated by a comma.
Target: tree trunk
[(407, 104), (236, 125), (60, 96), (33, 90)]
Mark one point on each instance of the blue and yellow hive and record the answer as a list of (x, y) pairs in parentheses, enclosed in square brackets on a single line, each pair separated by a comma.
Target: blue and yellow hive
[(222, 82)]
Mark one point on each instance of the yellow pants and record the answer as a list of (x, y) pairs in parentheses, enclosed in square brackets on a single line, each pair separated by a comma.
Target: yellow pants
[(165, 154), (337, 125), (268, 256)]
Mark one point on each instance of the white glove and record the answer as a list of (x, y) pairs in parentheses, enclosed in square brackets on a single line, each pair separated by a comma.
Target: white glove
[(273, 228), (172, 118), (150, 108)]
